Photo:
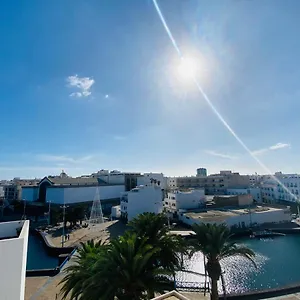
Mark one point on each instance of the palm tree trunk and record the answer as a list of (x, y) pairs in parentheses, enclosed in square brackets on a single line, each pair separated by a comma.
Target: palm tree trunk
[(214, 290), (223, 286)]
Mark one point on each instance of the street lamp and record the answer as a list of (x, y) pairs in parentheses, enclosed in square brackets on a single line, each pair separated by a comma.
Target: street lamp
[(64, 217), (49, 209)]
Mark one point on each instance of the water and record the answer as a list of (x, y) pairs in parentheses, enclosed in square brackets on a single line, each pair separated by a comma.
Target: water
[(277, 259), (37, 257)]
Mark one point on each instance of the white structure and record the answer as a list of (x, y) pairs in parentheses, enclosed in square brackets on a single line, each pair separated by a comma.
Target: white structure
[(238, 217), (288, 190), (13, 258), (116, 211), (255, 192), (147, 177), (171, 183), (142, 199), (184, 200), (68, 190)]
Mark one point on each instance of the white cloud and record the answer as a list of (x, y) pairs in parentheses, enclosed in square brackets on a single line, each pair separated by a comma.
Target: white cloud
[(119, 138), (271, 148), (84, 85), (222, 155), (106, 96), (63, 159)]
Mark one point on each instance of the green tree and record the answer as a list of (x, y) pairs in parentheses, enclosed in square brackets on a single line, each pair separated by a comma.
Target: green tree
[(123, 269), (154, 228), (88, 254), (214, 242)]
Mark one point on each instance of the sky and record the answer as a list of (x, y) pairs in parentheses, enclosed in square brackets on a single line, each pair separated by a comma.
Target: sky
[(90, 85)]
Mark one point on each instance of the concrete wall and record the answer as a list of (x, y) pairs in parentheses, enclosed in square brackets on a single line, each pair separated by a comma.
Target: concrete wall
[(71, 195), (30, 194), (271, 216), (13, 258), (254, 192), (145, 179), (185, 200), (116, 211), (143, 199)]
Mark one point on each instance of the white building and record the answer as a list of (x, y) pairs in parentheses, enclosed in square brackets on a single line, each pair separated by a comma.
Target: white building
[(238, 217), (148, 177), (288, 190), (68, 190), (171, 183), (192, 199), (13, 258), (116, 211), (255, 192), (142, 199)]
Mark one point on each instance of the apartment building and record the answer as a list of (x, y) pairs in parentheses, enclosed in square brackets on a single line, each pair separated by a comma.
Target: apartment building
[(216, 184)]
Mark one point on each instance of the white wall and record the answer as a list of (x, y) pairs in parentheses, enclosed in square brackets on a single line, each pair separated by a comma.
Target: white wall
[(185, 200), (271, 216), (71, 195), (29, 194), (13, 257), (171, 183), (116, 211), (145, 179), (143, 199)]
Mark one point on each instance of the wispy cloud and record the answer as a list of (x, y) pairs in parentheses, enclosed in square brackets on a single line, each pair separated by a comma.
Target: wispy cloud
[(63, 159), (222, 155), (119, 138), (271, 148), (83, 84)]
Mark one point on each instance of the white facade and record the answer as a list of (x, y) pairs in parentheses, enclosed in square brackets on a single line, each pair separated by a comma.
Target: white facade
[(76, 194), (142, 199), (116, 211), (184, 200), (72, 195), (146, 179), (238, 217), (13, 258), (288, 190), (113, 177), (171, 183), (255, 192)]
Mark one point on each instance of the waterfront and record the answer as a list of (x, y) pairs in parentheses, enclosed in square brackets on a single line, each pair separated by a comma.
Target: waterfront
[(37, 257), (277, 266)]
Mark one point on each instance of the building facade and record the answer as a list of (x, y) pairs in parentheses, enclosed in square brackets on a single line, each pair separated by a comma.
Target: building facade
[(201, 172), (178, 200), (147, 178), (13, 259), (146, 198), (255, 192)]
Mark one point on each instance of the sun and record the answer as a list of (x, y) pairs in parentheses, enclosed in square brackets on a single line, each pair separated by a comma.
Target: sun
[(186, 68)]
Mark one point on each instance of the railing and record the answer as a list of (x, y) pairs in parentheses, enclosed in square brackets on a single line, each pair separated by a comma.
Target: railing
[(192, 286)]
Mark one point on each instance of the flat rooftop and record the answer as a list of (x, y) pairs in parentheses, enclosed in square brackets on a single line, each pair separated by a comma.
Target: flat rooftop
[(222, 215)]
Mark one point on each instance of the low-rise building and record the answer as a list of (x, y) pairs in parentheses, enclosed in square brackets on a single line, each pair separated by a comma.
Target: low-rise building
[(232, 200), (177, 200), (13, 259), (147, 198), (239, 217), (255, 192), (67, 190), (147, 178)]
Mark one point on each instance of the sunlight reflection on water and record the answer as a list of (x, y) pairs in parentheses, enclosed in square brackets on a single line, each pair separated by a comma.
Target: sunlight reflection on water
[(239, 272)]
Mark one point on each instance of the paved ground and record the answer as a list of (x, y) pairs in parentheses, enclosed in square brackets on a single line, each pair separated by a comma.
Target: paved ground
[(287, 297)]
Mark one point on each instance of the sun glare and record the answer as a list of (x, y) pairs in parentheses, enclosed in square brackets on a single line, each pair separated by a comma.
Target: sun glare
[(186, 68)]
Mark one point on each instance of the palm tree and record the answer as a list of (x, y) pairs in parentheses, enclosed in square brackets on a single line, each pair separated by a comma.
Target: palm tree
[(154, 228), (88, 254), (214, 242), (123, 269)]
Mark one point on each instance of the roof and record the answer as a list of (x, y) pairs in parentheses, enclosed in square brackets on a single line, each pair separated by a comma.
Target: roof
[(74, 181), (173, 295)]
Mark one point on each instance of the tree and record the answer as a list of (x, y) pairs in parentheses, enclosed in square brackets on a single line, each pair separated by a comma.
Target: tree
[(154, 228), (122, 270), (87, 255), (214, 242)]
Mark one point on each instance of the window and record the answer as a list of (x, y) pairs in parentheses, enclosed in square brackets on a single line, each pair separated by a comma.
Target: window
[(292, 191), (287, 185), (173, 204)]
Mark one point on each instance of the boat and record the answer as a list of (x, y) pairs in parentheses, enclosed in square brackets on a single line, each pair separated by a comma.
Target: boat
[(266, 234)]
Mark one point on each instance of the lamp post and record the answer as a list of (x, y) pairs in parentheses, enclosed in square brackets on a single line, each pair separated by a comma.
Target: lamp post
[(64, 217)]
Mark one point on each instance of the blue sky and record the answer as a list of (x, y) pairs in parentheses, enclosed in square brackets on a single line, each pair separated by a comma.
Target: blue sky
[(95, 84)]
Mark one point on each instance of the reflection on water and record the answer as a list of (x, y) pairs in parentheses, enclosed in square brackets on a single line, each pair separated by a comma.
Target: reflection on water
[(277, 265)]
